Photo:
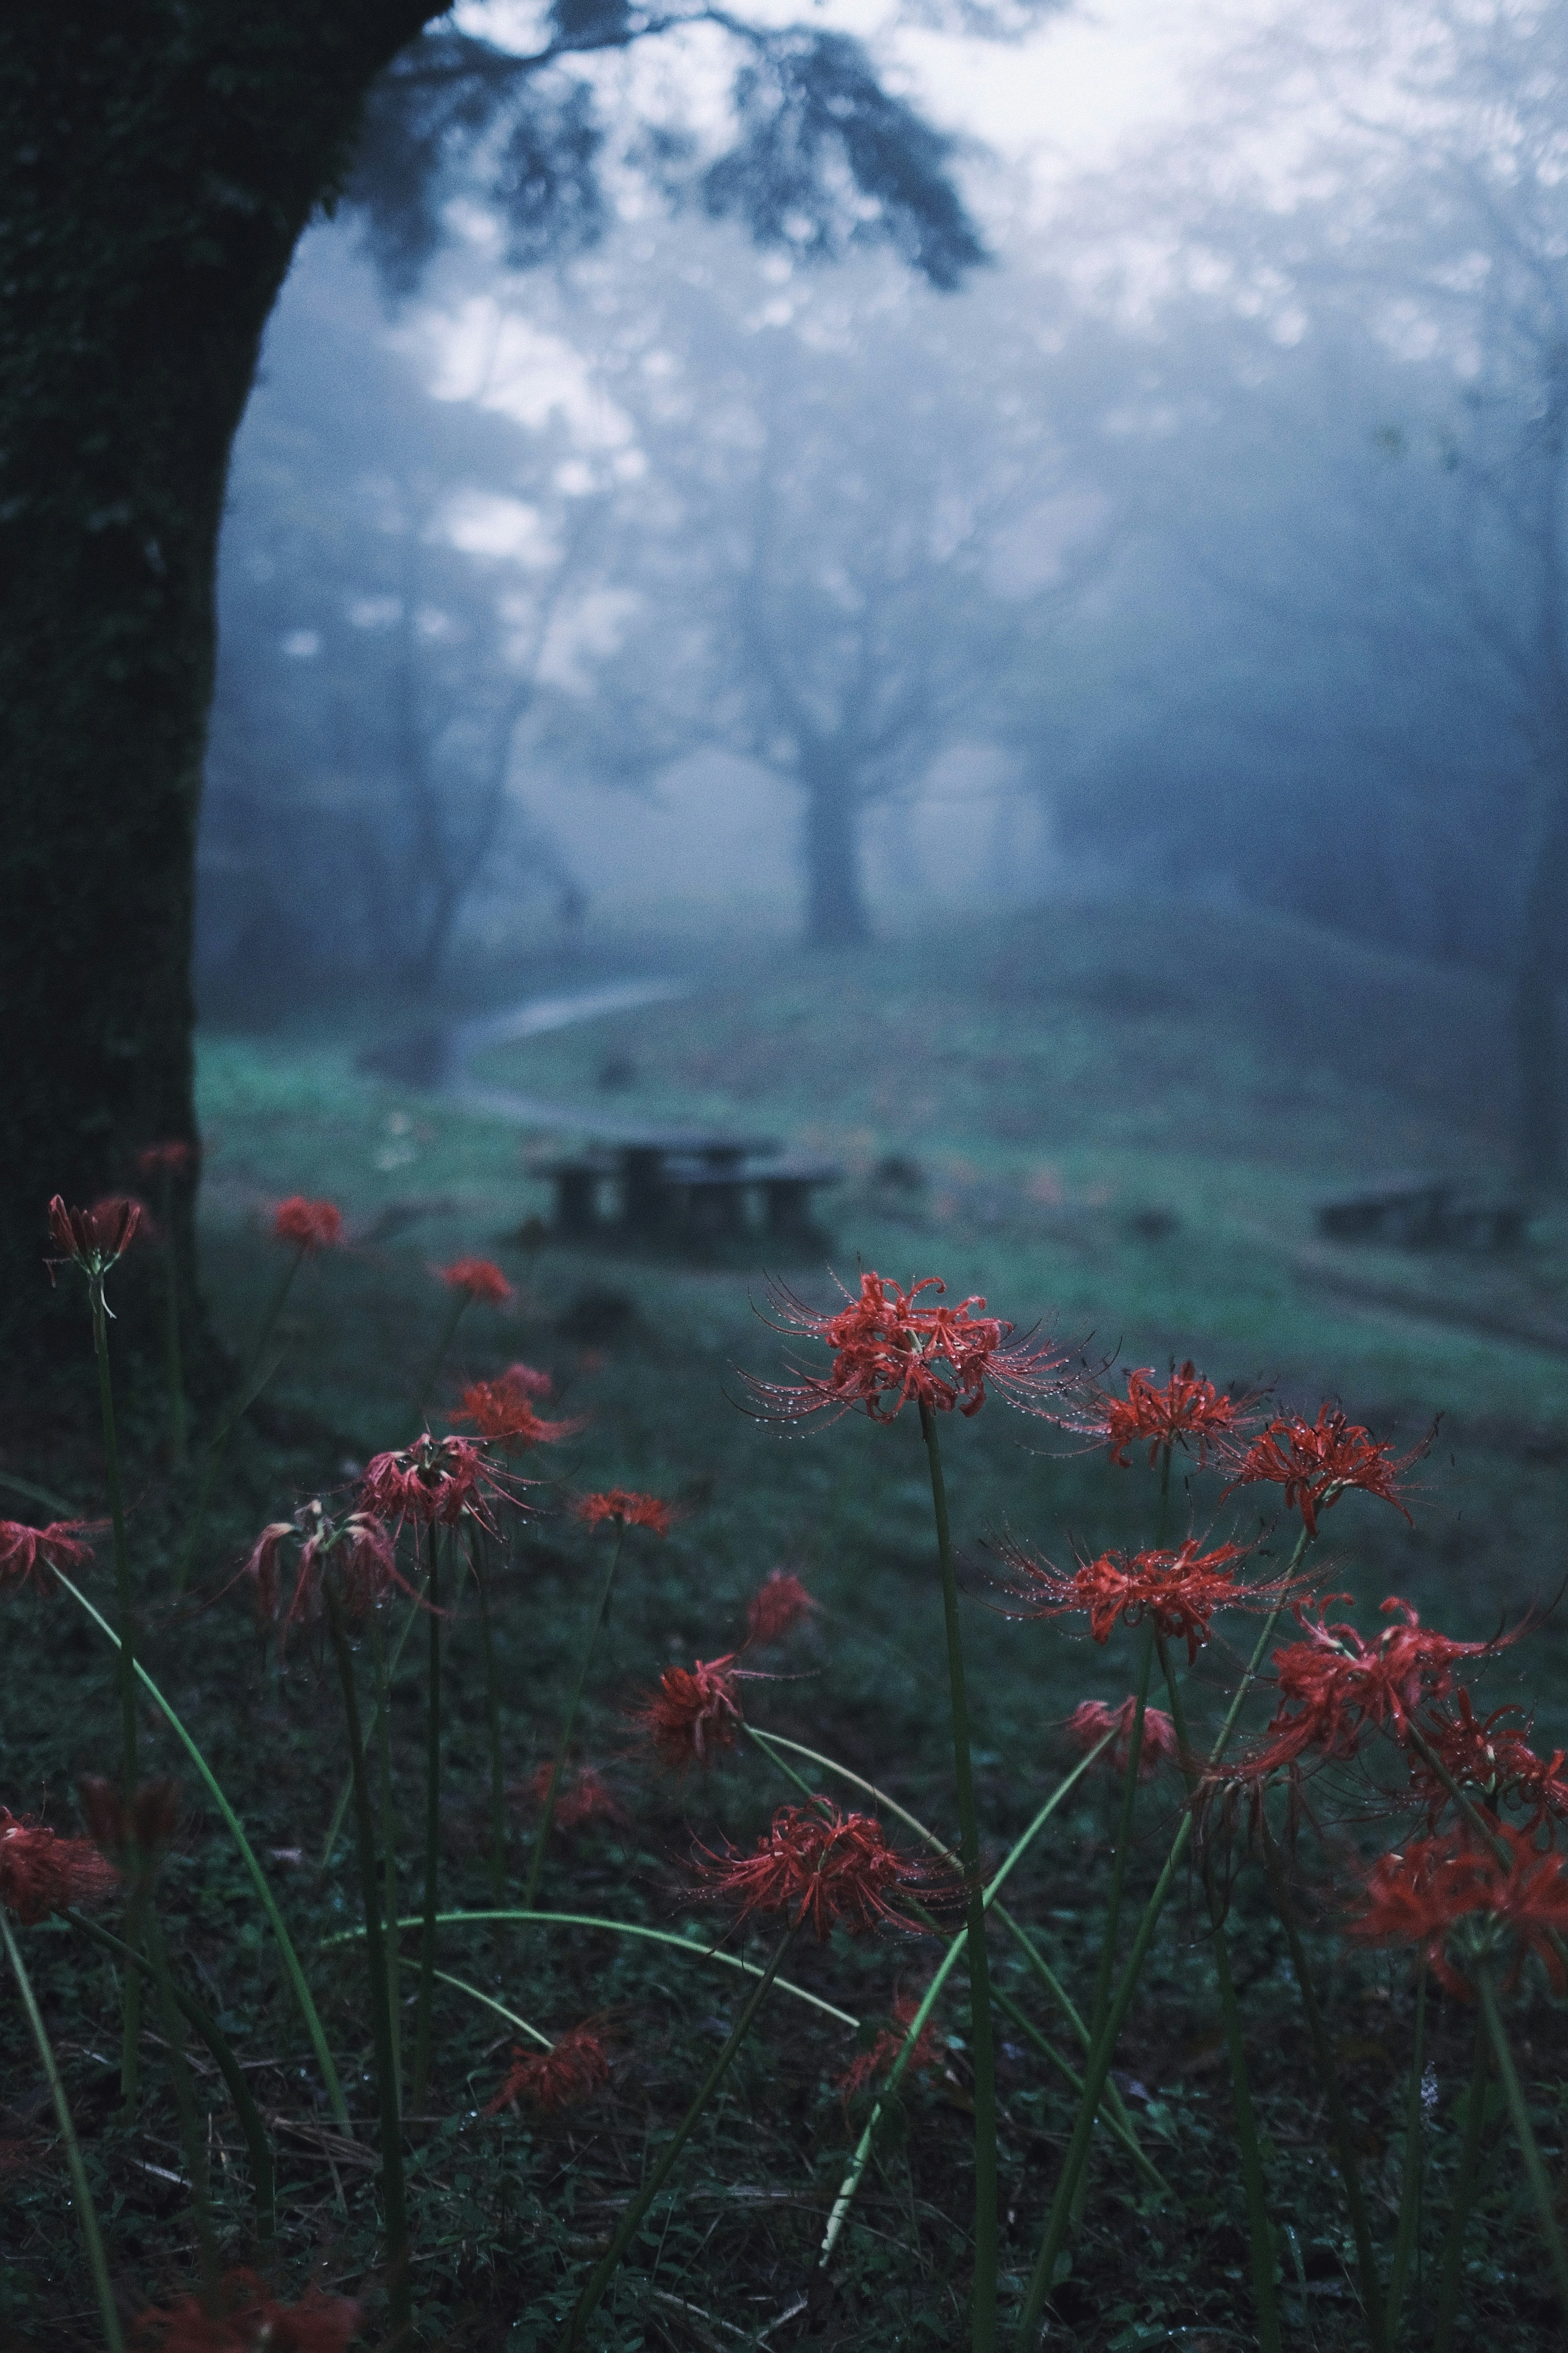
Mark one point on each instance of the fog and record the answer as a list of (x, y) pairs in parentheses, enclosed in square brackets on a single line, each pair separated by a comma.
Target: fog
[(1209, 541)]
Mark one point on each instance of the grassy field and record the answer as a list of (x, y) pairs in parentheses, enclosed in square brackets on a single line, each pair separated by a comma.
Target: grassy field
[(1112, 1121)]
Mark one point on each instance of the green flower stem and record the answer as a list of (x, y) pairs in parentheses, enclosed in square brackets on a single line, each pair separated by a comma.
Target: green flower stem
[(257, 2150), (481, 1566), (1465, 2182), (489, 2001), (424, 2013), (1339, 2115), (460, 1301), (1524, 2131), (345, 1795), (172, 1364), (1098, 2065), (398, 2300), (1410, 2186), (764, 1740), (615, 1929), (547, 1810), (382, 1735), (1261, 2244), (982, 2052), (245, 1389), (631, 2220), (1106, 1970), (290, 1960), (185, 2105), (131, 1986), (1074, 2082), (87, 2213)]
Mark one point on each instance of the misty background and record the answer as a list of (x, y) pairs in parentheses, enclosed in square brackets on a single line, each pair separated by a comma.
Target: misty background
[(1209, 544)]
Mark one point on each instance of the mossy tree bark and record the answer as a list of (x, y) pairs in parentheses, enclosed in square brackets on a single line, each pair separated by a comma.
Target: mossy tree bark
[(158, 163)]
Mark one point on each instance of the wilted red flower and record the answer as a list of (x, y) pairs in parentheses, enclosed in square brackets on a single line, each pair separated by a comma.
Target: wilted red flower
[(1334, 1686), (27, 1554), (694, 1712), (435, 1482), (1162, 1413), (41, 1873), (1488, 1755), (630, 1509), (171, 1159), (1093, 1718), (585, 1800), (816, 1865), (480, 1278), (1180, 1589), (310, 1225), (134, 1834), (561, 2077), (1457, 1884), (1316, 1461), (779, 1605), (868, 2067), (887, 1352), (503, 1413), (357, 1549), (93, 1239), (248, 2320)]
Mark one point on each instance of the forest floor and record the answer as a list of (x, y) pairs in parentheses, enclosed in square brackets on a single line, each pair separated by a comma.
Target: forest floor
[(1113, 1122)]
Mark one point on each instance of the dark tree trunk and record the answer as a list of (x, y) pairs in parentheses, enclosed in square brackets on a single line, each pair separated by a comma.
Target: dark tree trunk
[(835, 894), (159, 160), (1536, 1022)]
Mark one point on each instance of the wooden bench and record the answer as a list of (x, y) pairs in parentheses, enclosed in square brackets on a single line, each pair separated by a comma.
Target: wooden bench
[(694, 1184)]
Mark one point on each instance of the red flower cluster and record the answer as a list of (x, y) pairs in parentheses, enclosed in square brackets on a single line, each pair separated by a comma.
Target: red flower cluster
[(1092, 1719), (41, 1873), (1316, 1461), (93, 1239), (694, 1714), (503, 1413), (357, 1550), (249, 2321), (1336, 1687), (868, 2066), (779, 1605), (627, 1508), (307, 1226), (1180, 1589), (435, 1482), (27, 1554), (559, 2078), (829, 1869), (1439, 1886), (1168, 1413), (587, 1799), (481, 1279), (887, 1352), (1490, 1755), (170, 1159)]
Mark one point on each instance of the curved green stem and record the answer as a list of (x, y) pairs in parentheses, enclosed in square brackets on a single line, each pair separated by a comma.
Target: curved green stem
[(461, 1985), (547, 1810), (86, 2212), (1106, 1970), (382, 1734), (424, 2013), (288, 1956), (982, 2052), (427, 1378), (172, 1366), (345, 1795), (1074, 2082), (1524, 2131), (185, 2104), (631, 2220), (131, 1986), (1410, 2186), (1463, 2192), (481, 1568)]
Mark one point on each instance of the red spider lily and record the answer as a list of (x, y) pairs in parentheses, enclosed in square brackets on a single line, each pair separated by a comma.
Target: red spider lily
[(502, 1411), (1488, 1755), (307, 1226), (1336, 1687), (1092, 1719), (630, 1509), (133, 1833), (248, 2320), (42, 1872), (171, 1159), (868, 2066), (816, 1865), (694, 1714), (93, 1239), (1441, 1885), (435, 1482), (1179, 1589), (587, 1799), (560, 2078), (1316, 1461), (887, 1352), (357, 1550), (779, 1604), (1184, 1408), (27, 1554), (481, 1279)]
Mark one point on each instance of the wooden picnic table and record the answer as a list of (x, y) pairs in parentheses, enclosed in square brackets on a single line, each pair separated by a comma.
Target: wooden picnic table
[(1423, 1212), (694, 1184)]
